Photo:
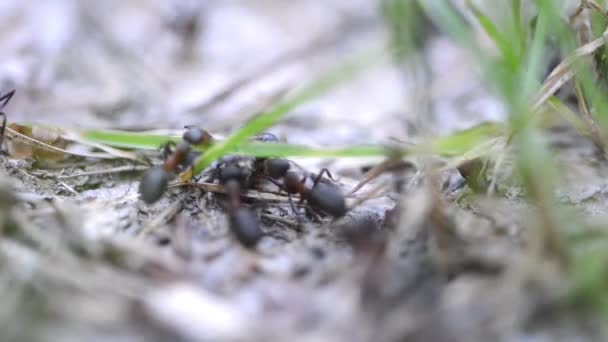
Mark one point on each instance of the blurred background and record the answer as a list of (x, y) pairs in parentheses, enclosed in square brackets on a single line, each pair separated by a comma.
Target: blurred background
[(165, 64)]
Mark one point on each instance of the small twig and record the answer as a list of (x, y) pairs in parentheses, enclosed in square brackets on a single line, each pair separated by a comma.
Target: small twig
[(595, 133), (128, 168), (251, 194), (70, 189), (373, 193), (387, 165), (592, 5), (164, 216), (288, 222), (497, 166), (563, 73)]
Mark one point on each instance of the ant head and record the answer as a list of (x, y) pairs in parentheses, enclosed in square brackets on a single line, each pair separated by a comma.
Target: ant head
[(197, 136), (276, 168), (266, 137)]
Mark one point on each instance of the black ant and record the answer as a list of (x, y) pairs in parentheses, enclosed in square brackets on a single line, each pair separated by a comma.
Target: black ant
[(235, 175), (155, 181), (4, 99)]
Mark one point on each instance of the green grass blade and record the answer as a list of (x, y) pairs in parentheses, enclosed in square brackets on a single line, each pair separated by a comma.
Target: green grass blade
[(451, 145), (504, 45), (450, 22), (287, 150), (464, 141), (124, 139)]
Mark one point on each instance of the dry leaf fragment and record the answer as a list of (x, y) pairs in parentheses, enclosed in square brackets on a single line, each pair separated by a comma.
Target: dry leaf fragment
[(21, 148)]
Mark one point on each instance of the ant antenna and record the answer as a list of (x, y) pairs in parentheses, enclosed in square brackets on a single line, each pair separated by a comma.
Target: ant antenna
[(6, 97), (320, 175), (279, 185), (2, 129)]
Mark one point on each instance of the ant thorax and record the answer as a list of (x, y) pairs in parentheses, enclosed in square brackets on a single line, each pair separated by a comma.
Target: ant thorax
[(243, 164)]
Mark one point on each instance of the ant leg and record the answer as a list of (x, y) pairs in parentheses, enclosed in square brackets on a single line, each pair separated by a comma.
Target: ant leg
[(299, 218), (314, 213), (302, 181), (293, 206), (2, 129), (318, 178), (6, 97), (166, 148), (278, 185)]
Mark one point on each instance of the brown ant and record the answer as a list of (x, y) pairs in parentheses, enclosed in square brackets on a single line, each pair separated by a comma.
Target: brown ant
[(320, 196), (4, 99), (155, 181)]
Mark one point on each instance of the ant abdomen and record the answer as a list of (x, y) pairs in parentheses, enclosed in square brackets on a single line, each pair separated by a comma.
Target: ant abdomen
[(245, 227), (327, 199), (153, 184)]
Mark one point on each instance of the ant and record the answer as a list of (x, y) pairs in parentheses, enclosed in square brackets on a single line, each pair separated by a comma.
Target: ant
[(320, 196), (4, 99), (234, 177), (327, 198), (155, 181)]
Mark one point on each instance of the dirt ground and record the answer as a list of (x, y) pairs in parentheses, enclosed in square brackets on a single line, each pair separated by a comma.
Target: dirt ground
[(83, 258)]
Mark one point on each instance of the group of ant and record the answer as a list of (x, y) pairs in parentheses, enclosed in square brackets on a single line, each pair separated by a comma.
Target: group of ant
[(237, 174)]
